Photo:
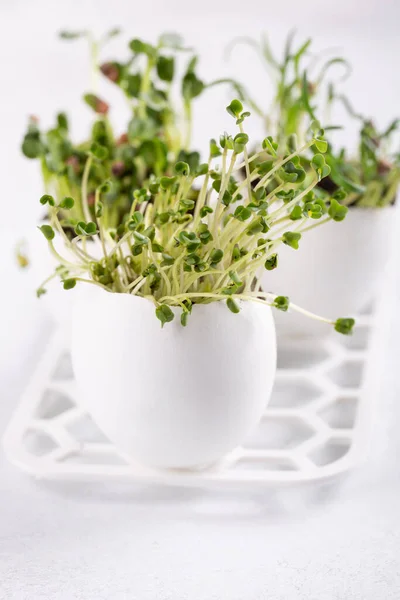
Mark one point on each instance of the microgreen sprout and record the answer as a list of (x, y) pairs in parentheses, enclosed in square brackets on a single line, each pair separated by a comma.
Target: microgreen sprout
[(371, 178), (177, 247), (304, 93), (156, 137), (300, 86)]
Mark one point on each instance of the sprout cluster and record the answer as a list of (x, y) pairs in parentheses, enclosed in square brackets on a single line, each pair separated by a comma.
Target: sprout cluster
[(302, 91), (372, 178), (156, 137), (201, 233)]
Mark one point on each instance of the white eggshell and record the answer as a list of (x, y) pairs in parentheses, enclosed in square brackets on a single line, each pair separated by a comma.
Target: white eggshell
[(176, 396), (335, 272)]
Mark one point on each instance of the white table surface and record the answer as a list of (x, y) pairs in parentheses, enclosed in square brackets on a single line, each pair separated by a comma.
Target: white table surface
[(116, 542)]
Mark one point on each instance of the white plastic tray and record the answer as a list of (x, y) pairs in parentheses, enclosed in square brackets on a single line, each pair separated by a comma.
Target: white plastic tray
[(317, 424)]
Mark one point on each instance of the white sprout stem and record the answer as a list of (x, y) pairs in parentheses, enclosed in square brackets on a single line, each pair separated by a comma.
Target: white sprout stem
[(247, 168), (317, 224), (56, 223), (224, 185), (250, 296), (85, 178), (100, 222), (252, 158), (60, 258), (293, 306)]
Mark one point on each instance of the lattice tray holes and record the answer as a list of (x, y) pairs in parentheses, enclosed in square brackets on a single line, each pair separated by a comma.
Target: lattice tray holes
[(38, 443), (279, 432), (294, 391), (341, 412), (54, 403), (348, 374), (84, 430), (301, 355), (63, 370), (330, 451)]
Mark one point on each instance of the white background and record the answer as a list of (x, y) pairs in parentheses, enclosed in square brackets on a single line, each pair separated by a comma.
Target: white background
[(79, 542)]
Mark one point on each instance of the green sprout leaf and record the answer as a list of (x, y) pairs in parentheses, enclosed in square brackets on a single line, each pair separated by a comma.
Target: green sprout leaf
[(62, 121), (201, 170), (86, 229), (67, 203), (97, 104), (226, 141), (337, 211), (105, 187), (47, 199), (235, 108), (167, 260), (191, 86), (165, 68), (186, 311), (233, 306), (344, 326), (281, 303), (296, 213), (315, 127), (292, 173), (164, 314), (270, 146), (216, 256), (313, 210), (98, 151), (32, 146), (272, 262), (319, 164), (214, 150), (167, 182), (131, 83), (259, 225), (286, 196), (340, 194), (321, 144), (205, 210), (182, 168), (204, 234), (291, 238), (139, 47), (47, 231), (242, 213), (140, 239), (186, 204), (68, 284), (239, 142)]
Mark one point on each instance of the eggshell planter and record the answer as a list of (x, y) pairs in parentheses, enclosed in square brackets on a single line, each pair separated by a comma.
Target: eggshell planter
[(336, 271), (172, 397)]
